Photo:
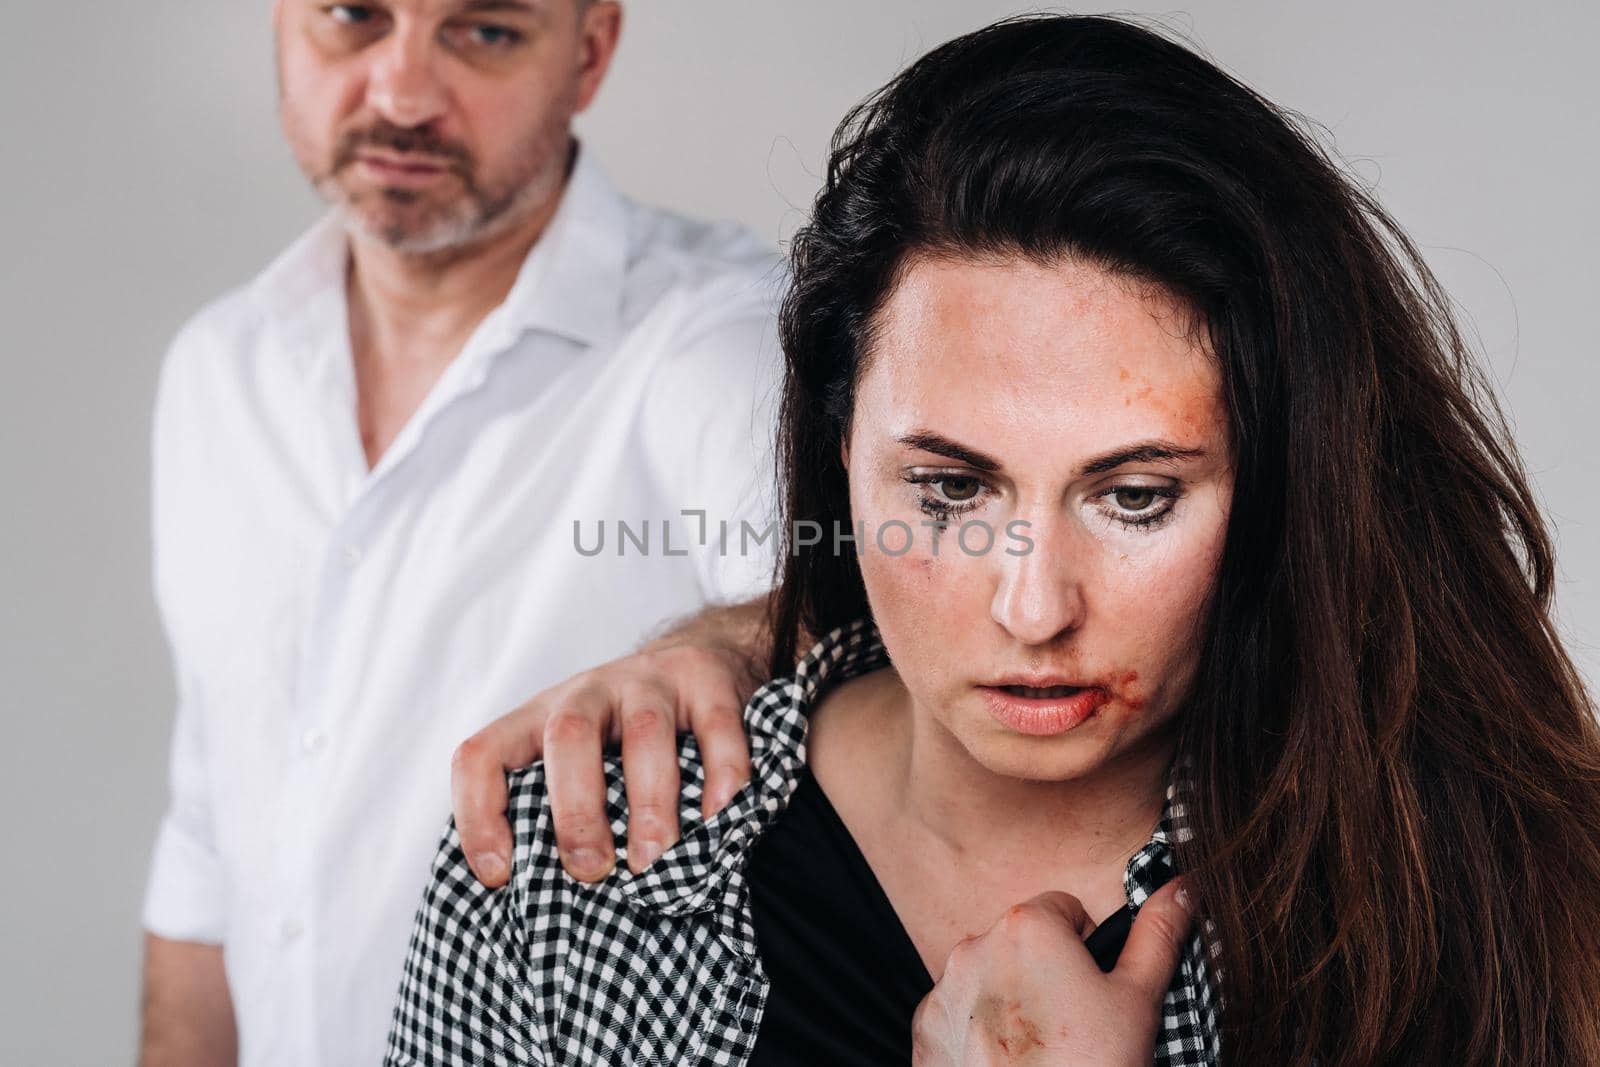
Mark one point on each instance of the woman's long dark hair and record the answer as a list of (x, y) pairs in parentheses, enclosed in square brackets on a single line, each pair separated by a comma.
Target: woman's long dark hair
[(1396, 767)]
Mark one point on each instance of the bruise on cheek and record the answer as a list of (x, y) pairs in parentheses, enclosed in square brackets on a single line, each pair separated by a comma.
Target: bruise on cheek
[(910, 569)]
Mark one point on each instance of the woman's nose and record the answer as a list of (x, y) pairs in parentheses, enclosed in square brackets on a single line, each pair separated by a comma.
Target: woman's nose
[(1040, 594)]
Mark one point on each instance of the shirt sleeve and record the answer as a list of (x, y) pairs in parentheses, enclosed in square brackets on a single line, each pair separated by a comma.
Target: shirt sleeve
[(184, 898), (185, 895), (708, 426), (465, 996)]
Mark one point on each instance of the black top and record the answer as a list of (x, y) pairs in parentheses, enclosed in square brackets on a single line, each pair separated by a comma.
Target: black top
[(845, 977)]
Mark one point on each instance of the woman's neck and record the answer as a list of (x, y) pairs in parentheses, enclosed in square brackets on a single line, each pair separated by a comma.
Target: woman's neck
[(907, 779)]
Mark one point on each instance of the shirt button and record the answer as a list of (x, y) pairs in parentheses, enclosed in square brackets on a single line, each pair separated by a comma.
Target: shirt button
[(352, 556), (291, 930), (313, 740)]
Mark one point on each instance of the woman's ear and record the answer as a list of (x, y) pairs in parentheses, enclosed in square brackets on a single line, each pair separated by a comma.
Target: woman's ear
[(844, 451)]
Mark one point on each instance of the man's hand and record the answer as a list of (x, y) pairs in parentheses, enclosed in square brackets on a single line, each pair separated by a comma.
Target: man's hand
[(1028, 992), (697, 678)]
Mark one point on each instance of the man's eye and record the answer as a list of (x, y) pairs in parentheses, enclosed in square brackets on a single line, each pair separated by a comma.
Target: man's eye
[(352, 14), (496, 35), (488, 35)]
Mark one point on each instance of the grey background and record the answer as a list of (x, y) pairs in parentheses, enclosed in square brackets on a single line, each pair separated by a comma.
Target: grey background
[(144, 174)]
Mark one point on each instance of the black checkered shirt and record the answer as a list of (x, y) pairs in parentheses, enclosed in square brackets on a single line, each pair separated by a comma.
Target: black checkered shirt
[(662, 967)]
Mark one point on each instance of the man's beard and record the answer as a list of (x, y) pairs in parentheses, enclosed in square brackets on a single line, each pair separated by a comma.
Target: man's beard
[(425, 222)]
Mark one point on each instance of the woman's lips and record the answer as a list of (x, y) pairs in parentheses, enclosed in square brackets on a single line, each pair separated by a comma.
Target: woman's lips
[(1042, 712)]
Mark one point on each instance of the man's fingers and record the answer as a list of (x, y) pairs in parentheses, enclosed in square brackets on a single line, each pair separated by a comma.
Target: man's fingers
[(575, 780), (1155, 944), (649, 773), (716, 718), (478, 789)]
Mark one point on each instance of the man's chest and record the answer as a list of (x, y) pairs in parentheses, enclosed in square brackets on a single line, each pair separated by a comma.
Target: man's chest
[(298, 582)]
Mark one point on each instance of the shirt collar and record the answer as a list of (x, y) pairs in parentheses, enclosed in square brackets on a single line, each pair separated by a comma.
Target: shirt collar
[(1153, 865), (570, 283), (301, 293)]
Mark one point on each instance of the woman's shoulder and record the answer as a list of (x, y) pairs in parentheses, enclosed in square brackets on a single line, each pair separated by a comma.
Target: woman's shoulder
[(777, 727), (776, 734), (857, 727)]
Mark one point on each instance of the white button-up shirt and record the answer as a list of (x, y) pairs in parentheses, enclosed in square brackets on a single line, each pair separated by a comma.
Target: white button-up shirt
[(337, 631)]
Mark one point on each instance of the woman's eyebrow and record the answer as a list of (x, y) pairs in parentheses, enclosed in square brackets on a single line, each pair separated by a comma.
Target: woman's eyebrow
[(1143, 452), (940, 445)]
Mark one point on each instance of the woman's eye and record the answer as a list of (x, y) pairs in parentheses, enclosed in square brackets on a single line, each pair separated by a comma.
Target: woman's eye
[(945, 495), (1134, 499), (1141, 506), (959, 489)]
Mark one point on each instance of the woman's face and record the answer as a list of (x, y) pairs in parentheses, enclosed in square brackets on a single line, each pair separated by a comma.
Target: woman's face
[(1068, 427)]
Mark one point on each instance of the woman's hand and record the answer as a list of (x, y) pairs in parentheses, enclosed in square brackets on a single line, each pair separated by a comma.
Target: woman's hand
[(1027, 991), (697, 679)]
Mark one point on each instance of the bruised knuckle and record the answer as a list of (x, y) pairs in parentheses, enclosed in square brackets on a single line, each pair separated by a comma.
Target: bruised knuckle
[(1022, 912), (642, 722), (568, 726), (1021, 921), (471, 754)]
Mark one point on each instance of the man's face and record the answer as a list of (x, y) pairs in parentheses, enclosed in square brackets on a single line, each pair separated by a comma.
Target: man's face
[(436, 124)]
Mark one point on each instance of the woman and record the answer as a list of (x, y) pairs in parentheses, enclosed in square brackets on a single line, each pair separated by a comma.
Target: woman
[(1154, 516)]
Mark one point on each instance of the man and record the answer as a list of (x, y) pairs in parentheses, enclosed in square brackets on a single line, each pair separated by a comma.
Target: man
[(378, 471)]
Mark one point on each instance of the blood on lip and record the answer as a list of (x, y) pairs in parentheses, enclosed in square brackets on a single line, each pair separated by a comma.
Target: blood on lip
[(1124, 688)]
